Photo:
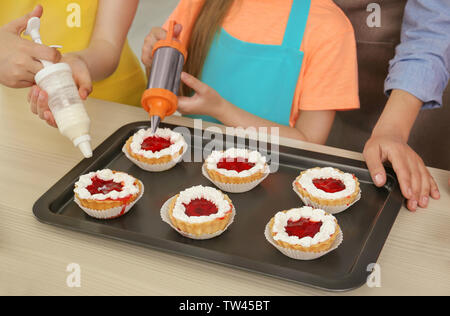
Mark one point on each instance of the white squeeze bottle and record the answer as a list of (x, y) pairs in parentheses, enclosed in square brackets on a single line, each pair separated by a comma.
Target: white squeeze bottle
[(63, 98)]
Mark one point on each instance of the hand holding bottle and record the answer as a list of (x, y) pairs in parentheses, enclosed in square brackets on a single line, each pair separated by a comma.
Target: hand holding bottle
[(19, 58), (38, 98)]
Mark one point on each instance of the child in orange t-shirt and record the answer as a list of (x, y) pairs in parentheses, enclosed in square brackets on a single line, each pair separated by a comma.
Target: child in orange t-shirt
[(287, 63)]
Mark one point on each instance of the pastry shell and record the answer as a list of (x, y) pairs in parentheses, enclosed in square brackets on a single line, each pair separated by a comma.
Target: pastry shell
[(100, 205), (200, 229), (218, 177), (320, 247), (152, 161), (332, 206)]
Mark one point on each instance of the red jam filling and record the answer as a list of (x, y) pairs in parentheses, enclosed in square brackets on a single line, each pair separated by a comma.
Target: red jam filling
[(100, 186), (200, 207), (329, 185), (155, 143), (236, 164), (303, 228)]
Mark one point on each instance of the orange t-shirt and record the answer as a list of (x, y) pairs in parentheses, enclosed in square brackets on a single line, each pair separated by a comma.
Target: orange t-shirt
[(329, 74)]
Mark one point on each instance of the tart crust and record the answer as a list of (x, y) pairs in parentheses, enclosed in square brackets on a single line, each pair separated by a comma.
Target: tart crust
[(217, 176), (103, 205), (348, 200), (199, 229), (151, 161), (320, 247)]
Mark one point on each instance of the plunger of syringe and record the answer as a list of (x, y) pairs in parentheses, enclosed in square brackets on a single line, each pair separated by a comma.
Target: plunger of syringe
[(33, 27)]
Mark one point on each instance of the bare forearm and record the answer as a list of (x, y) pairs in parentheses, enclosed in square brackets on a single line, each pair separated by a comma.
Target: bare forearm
[(113, 20), (311, 126), (231, 115), (399, 115), (101, 57)]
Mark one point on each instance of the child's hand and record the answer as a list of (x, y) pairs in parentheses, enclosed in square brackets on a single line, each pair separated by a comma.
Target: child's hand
[(155, 35), (416, 182), (19, 57), (206, 100), (38, 98)]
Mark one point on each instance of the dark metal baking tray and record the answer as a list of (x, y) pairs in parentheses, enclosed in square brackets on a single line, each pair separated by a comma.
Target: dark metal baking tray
[(365, 225)]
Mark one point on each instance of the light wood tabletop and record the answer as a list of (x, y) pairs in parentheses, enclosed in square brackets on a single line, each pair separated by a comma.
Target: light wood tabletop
[(34, 257)]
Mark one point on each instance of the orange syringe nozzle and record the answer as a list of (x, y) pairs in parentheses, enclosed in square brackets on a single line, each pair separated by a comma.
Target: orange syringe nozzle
[(159, 102)]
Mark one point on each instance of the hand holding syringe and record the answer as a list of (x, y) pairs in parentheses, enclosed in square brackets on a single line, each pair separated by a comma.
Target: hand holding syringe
[(63, 98)]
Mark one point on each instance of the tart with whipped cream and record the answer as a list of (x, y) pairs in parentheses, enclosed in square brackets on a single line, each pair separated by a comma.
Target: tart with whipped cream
[(200, 212), (107, 194), (156, 152), (303, 232), (327, 188), (236, 170)]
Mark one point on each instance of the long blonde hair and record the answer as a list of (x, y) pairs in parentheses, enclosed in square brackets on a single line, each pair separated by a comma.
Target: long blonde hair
[(206, 26)]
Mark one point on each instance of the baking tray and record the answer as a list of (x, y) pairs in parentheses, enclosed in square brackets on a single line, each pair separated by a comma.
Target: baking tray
[(365, 225)]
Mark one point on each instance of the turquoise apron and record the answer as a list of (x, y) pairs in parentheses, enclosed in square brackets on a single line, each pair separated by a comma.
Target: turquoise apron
[(260, 79)]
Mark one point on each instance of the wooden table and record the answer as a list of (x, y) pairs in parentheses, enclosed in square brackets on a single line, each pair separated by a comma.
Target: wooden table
[(34, 256)]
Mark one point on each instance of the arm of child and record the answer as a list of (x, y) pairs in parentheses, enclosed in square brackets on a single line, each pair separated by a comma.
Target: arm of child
[(417, 78), (312, 126), (100, 59), (112, 24)]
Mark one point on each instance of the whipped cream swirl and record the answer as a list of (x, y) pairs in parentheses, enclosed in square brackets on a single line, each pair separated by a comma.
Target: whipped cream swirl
[(281, 220), (200, 192), (128, 182), (306, 182), (177, 140), (253, 157)]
